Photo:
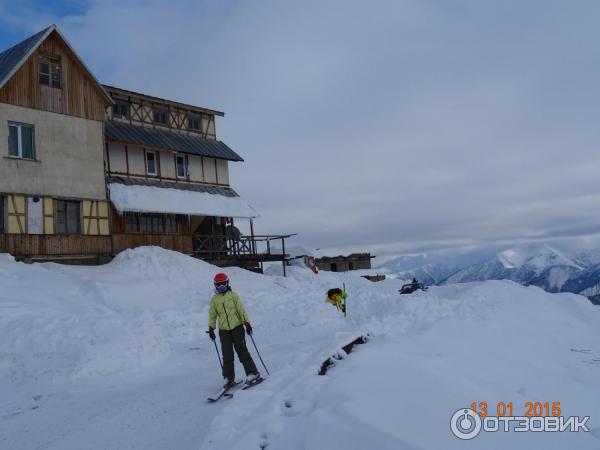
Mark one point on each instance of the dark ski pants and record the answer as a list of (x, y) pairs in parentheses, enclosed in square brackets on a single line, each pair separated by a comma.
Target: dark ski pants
[(235, 338)]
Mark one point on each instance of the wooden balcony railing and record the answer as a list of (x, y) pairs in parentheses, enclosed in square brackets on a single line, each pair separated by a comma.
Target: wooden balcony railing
[(237, 250)]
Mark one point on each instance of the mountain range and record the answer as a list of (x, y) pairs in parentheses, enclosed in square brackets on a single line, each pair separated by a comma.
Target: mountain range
[(542, 265)]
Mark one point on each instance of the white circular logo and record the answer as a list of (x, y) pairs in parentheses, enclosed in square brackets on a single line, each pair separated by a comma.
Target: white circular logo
[(465, 424)]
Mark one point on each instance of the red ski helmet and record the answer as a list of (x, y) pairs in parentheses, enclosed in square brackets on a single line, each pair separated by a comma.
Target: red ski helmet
[(221, 278)]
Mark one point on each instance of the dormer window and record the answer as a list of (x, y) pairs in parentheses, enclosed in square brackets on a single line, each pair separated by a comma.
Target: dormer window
[(121, 110), (160, 116), (194, 122), (50, 71)]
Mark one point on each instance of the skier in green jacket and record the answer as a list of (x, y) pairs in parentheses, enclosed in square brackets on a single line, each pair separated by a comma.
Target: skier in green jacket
[(227, 307)]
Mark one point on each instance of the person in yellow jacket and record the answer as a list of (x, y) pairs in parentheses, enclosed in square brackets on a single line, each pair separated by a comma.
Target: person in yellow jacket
[(337, 297), (227, 308)]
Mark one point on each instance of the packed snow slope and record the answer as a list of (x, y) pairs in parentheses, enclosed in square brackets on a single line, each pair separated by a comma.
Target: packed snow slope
[(116, 357)]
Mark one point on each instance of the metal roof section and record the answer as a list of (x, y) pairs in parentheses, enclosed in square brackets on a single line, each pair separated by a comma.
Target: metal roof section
[(128, 92), (12, 59), (125, 133), (194, 187)]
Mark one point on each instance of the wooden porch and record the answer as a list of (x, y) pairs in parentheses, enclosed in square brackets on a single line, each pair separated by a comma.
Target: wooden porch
[(249, 252)]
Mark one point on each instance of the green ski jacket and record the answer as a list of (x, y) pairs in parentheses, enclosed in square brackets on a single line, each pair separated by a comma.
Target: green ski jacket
[(228, 309)]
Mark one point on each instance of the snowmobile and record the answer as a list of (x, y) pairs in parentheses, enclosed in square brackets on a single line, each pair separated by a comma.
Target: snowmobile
[(412, 287)]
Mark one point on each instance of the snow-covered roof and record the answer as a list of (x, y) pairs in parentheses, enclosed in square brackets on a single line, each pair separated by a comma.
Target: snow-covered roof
[(154, 199)]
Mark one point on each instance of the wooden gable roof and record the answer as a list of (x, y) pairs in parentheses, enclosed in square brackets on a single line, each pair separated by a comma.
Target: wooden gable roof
[(80, 93)]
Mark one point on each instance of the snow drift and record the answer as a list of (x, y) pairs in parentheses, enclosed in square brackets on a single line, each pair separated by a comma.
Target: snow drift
[(116, 357)]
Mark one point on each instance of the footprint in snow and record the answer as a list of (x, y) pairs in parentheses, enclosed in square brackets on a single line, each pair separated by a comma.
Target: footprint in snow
[(288, 409)]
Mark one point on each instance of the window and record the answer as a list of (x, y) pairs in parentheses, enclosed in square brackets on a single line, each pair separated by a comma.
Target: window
[(182, 168), (121, 109), (171, 223), (160, 116), (151, 163), (151, 223), (1, 214), (49, 71), (131, 220), (68, 217), (20, 140), (334, 267), (194, 122)]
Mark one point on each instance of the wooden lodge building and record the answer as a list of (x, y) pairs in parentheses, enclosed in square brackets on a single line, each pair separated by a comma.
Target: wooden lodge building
[(344, 263), (88, 170)]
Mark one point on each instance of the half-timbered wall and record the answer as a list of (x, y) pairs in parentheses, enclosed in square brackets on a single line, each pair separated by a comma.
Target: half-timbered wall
[(210, 170), (222, 171), (116, 159), (196, 168), (93, 215), (79, 95), (124, 160), (137, 163), (140, 111)]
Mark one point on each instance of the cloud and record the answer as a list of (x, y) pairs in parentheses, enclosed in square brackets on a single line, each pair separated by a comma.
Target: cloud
[(389, 125)]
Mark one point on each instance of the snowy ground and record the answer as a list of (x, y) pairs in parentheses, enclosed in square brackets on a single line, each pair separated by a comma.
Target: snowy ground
[(115, 357)]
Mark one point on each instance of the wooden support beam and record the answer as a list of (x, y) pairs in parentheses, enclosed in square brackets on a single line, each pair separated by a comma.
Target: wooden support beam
[(283, 249)]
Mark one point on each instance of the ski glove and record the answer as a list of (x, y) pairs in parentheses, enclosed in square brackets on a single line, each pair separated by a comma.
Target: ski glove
[(248, 329), (211, 334)]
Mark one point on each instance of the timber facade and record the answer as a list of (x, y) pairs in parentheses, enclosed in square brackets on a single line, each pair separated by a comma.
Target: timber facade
[(88, 170), (344, 263)]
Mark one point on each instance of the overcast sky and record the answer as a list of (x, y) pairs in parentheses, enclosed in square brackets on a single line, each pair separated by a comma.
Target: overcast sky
[(392, 126)]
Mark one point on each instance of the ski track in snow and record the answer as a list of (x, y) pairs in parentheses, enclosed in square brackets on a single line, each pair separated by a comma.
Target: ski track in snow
[(116, 357)]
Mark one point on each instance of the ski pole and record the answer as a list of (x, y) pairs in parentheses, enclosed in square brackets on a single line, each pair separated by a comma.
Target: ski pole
[(218, 354), (258, 353), (345, 306)]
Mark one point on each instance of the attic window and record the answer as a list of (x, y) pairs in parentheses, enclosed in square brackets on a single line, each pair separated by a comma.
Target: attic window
[(160, 116), (50, 71), (121, 109), (194, 122)]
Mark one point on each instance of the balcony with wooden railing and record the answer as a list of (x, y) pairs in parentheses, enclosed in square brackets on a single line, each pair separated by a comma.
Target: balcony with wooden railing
[(245, 251)]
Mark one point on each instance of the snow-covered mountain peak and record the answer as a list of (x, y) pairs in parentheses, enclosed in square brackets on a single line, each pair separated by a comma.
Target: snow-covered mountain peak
[(550, 257), (511, 258)]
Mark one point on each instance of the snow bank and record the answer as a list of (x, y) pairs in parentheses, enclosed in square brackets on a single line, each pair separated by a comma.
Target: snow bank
[(176, 201), (133, 323), (133, 313), (431, 355)]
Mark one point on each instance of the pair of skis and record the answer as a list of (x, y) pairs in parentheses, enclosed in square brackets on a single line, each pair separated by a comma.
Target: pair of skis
[(226, 392)]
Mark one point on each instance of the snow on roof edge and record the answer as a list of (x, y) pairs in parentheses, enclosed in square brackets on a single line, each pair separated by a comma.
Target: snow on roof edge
[(153, 199)]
